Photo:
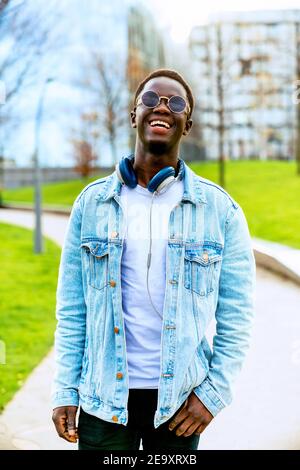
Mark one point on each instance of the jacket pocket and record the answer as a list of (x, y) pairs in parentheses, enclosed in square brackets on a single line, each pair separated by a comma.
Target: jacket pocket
[(202, 357), (196, 371), (96, 263), (202, 265)]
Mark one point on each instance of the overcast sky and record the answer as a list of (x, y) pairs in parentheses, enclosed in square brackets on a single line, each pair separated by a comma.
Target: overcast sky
[(181, 16), (178, 16)]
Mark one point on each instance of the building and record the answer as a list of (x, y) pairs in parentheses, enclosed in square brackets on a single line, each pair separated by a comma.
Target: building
[(247, 64), (145, 50), (126, 45), (105, 48), (145, 46)]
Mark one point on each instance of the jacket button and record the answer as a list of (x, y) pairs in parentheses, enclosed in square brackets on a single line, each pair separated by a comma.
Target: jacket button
[(205, 256), (115, 418), (116, 329), (114, 234), (119, 375), (112, 283)]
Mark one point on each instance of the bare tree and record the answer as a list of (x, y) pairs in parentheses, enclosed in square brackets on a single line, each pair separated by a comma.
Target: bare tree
[(106, 89), (249, 84), (30, 35), (28, 31), (3, 5), (84, 144), (84, 157), (215, 70)]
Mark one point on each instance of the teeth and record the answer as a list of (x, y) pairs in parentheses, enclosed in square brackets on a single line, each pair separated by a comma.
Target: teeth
[(160, 123)]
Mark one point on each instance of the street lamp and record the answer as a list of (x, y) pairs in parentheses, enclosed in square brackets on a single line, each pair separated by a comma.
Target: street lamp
[(38, 240)]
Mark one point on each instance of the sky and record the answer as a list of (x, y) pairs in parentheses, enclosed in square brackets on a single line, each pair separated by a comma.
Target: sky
[(180, 16), (177, 17)]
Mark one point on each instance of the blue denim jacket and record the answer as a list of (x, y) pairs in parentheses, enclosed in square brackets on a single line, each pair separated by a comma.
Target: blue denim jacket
[(210, 272)]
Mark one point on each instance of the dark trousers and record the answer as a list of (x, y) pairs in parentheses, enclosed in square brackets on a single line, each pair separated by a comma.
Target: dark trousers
[(97, 434)]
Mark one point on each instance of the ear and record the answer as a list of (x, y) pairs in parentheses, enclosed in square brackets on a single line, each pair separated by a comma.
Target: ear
[(133, 117), (188, 126)]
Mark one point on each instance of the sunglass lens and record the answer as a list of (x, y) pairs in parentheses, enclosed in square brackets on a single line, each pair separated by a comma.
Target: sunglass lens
[(177, 104), (150, 99)]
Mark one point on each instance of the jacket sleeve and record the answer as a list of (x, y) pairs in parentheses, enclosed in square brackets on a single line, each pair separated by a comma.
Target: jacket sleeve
[(234, 314), (71, 317)]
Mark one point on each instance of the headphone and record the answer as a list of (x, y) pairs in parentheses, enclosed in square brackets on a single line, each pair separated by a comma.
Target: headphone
[(159, 182)]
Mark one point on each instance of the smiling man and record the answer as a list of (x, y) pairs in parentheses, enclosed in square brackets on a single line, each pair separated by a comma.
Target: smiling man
[(152, 254)]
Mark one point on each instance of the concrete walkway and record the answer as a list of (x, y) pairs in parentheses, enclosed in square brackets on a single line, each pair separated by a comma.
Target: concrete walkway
[(265, 413), (26, 421), (278, 258)]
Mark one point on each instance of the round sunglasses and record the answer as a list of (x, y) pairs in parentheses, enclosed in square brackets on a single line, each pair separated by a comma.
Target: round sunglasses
[(151, 99)]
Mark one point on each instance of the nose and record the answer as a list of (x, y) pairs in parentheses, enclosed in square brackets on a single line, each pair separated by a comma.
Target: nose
[(162, 106)]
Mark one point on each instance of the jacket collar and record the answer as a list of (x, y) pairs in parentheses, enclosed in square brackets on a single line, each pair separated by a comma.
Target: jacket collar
[(193, 189)]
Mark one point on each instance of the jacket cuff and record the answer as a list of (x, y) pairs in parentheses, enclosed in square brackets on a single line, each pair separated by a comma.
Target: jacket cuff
[(65, 398), (209, 398)]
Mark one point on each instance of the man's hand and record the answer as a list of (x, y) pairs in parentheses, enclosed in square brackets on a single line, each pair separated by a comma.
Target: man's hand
[(64, 418), (193, 418)]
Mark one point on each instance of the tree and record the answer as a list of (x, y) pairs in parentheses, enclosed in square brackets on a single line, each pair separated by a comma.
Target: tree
[(3, 5), (106, 90), (84, 156), (211, 57), (85, 143), (28, 33)]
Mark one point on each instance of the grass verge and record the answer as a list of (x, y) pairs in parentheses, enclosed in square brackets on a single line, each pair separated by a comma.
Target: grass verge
[(27, 315), (269, 193)]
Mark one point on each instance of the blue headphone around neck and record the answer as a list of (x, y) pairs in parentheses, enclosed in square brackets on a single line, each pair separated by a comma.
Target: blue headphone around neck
[(161, 180)]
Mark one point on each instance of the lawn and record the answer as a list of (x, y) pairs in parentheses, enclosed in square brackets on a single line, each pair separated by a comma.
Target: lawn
[(269, 193), (60, 194), (27, 315)]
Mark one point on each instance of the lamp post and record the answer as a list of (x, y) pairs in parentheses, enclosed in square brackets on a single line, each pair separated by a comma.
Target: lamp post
[(38, 240)]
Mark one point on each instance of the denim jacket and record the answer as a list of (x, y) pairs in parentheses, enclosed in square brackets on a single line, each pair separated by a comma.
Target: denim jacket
[(210, 273)]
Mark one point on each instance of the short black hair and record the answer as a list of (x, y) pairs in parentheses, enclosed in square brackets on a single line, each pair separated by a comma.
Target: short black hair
[(170, 74)]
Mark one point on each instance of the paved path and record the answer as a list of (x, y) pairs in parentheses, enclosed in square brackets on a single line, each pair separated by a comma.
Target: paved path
[(279, 258), (265, 413), (26, 422)]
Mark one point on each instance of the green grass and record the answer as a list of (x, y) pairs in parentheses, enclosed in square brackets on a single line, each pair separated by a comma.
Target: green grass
[(27, 298), (60, 194), (269, 193)]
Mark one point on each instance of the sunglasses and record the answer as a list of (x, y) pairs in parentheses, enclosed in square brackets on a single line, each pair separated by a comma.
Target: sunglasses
[(176, 103)]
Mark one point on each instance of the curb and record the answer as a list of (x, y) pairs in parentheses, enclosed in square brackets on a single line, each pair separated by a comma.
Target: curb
[(270, 263), (264, 258), (48, 209), (6, 442)]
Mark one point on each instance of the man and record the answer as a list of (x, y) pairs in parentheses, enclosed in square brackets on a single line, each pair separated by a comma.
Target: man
[(152, 253)]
